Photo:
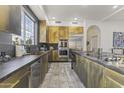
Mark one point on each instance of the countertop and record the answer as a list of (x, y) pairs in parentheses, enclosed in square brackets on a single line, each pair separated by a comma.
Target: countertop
[(101, 62), (6, 69)]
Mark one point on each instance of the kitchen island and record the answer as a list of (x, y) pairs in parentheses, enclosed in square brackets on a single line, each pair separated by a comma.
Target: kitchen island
[(96, 73), (18, 73)]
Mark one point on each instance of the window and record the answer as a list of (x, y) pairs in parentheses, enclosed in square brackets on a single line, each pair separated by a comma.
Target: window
[(28, 30)]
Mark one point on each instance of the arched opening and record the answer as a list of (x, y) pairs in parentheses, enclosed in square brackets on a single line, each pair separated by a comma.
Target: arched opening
[(93, 40)]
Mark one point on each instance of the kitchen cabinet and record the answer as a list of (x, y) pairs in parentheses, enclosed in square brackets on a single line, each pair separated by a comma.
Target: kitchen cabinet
[(15, 19), (113, 79), (44, 67), (95, 75), (75, 30), (10, 19), (35, 75), (63, 32), (4, 17), (55, 56), (84, 71), (43, 31), (53, 34), (19, 79), (90, 73)]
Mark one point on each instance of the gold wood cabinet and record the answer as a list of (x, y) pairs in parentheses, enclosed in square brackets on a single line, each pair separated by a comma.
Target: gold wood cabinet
[(75, 30), (84, 71), (43, 30), (95, 75), (63, 32), (4, 17), (55, 55), (53, 34), (20, 79), (113, 79)]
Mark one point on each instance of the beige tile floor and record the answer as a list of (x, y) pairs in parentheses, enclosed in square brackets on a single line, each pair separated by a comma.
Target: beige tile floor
[(60, 75)]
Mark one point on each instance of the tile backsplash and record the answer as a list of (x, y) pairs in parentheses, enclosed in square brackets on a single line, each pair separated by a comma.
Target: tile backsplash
[(9, 49), (5, 38)]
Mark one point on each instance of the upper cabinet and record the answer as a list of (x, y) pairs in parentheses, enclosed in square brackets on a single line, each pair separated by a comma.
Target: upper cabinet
[(42, 33), (10, 19), (63, 32), (15, 19), (75, 30), (53, 34), (4, 17)]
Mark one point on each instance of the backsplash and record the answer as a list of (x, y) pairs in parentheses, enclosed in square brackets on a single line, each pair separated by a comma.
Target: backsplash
[(5, 38), (9, 49)]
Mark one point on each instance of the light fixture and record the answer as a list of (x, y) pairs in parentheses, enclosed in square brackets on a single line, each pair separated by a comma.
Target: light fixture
[(53, 18), (75, 19), (115, 6)]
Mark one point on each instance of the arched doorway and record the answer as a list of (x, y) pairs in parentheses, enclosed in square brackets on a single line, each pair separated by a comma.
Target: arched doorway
[(93, 39)]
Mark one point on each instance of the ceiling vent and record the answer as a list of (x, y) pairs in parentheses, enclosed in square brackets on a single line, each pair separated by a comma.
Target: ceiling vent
[(74, 22), (58, 22)]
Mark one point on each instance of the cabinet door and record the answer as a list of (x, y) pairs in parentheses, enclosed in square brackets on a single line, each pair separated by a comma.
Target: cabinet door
[(84, 71), (75, 30), (4, 17), (110, 83), (63, 32), (35, 74), (95, 75), (19, 79), (53, 33), (23, 83), (10, 19), (113, 79), (15, 19), (55, 55), (98, 76), (42, 32)]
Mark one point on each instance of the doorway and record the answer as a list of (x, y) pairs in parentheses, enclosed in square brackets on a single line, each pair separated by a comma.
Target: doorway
[(93, 39)]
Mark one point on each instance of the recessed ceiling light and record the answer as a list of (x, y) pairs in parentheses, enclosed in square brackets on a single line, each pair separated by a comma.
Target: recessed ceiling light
[(75, 18), (53, 17), (115, 6)]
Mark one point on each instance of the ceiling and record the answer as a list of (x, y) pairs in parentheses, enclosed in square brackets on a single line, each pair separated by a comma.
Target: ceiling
[(82, 12)]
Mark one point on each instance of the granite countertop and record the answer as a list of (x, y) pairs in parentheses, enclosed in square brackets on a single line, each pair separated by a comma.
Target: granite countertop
[(13, 65), (101, 62)]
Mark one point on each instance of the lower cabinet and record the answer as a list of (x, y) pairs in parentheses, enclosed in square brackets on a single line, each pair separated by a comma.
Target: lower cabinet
[(35, 74), (19, 79), (84, 71), (94, 75), (55, 55), (113, 79), (44, 67), (29, 76)]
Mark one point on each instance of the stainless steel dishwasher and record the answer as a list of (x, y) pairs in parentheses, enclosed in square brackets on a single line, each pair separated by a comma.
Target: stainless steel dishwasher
[(35, 74)]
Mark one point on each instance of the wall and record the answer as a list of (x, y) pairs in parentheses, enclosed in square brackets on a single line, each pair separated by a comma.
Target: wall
[(107, 28), (93, 38), (6, 44), (5, 38)]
